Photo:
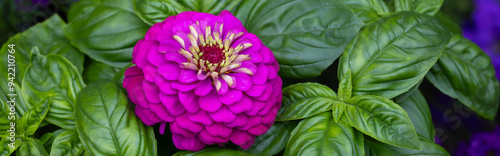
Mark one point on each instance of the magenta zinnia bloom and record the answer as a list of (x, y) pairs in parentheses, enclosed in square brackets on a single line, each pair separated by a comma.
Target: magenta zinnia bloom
[(208, 77)]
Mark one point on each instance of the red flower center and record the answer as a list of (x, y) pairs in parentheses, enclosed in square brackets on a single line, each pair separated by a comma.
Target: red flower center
[(212, 53)]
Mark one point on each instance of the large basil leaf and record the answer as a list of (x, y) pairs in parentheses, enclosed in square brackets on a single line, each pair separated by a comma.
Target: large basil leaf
[(53, 76), (429, 7), (155, 11), (48, 144), (106, 124), (28, 124), (209, 6), (419, 113), (212, 152), (305, 100), (465, 72), (105, 30), (49, 38), (377, 148), (95, 71), (32, 146), (392, 54), (381, 119), (320, 135), (306, 36), (67, 143), (367, 10), (5, 148), (274, 140)]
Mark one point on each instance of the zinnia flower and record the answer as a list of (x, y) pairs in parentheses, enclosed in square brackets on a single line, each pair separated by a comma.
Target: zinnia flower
[(205, 75)]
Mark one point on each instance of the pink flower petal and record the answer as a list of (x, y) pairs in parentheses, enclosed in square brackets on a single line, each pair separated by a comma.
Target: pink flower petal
[(133, 71), (231, 97), (185, 123), (176, 129), (272, 72), (172, 103), (189, 101), (248, 38), (153, 31), (269, 104), (250, 66), (218, 129), (184, 87), (149, 118), (260, 77), (248, 144), (209, 139), (165, 85), (256, 90), (257, 107), (223, 115), (151, 91), (150, 72), (269, 118), (161, 112), (188, 76), (252, 122), (245, 104), (156, 58), (240, 137), (139, 56), (140, 97), (267, 93), (201, 117), (241, 121), (210, 102), (184, 143), (258, 130), (267, 55), (169, 71), (203, 88), (242, 81), (230, 22), (224, 87)]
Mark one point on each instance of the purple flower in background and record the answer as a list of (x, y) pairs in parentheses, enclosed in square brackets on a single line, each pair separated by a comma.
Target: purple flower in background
[(206, 76), (481, 144), (484, 29)]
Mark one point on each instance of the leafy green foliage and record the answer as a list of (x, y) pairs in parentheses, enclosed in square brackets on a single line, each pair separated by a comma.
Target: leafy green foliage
[(274, 140), (304, 100), (209, 6), (155, 11), (107, 126), (96, 71), (376, 148), (55, 77), (429, 7), (67, 143), (419, 113), (5, 117), (28, 124), (305, 41), (320, 135), (367, 10), (212, 152), (392, 54), (106, 31), (345, 87), (5, 148), (32, 146), (381, 119), (465, 72), (49, 38)]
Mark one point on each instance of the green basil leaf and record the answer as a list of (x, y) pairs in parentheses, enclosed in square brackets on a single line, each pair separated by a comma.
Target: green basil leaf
[(377, 148), (345, 87), (28, 124), (53, 76), (155, 11), (381, 119), (67, 143), (46, 137), (320, 135), (105, 30), (465, 72), (392, 54), (429, 7), (304, 100), (338, 109), (449, 23), (7, 147), (106, 124), (367, 10), (32, 146), (306, 36), (274, 140), (120, 75), (213, 152), (419, 113), (209, 6), (6, 117), (95, 71), (49, 38), (48, 144)]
